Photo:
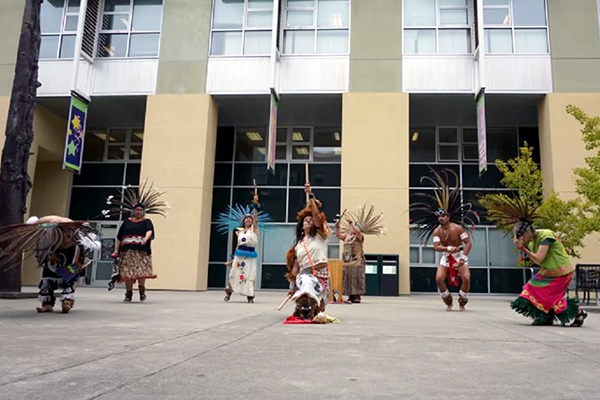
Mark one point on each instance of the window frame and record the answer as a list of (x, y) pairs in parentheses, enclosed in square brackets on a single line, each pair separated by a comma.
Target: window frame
[(129, 32), (313, 28), (512, 28), (63, 32), (243, 30), (437, 27)]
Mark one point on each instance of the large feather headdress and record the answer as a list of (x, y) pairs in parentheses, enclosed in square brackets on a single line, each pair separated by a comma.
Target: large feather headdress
[(365, 218), (147, 195), (445, 199), (507, 211), (44, 239), (234, 216)]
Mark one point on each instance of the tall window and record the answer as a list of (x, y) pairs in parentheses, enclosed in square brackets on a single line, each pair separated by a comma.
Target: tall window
[(515, 26), (316, 27), (59, 26), (241, 160), (130, 28), (241, 27), (437, 26)]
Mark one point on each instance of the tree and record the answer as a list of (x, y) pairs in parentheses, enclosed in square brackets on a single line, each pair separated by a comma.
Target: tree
[(14, 180), (570, 218)]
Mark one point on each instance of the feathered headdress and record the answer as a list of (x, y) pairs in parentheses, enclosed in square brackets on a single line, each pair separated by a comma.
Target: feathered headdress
[(234, 216), (445, 200), (365, 219), (146, 196), (44, 239), (507, 211)]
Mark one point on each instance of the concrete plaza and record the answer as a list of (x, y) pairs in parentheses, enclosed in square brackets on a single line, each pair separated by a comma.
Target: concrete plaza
[(193, 345)]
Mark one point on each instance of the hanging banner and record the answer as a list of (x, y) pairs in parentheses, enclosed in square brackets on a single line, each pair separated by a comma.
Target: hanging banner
[(73, 156), (481, 134), (272, 140)]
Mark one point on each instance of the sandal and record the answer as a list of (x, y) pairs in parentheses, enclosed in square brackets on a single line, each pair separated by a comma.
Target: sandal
[(581, 316), (46, 307), (67, 305), (142, 290), (228, 293)]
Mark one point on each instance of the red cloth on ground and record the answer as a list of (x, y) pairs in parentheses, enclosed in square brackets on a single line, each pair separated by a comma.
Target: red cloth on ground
[(452, 272), (297, 320)]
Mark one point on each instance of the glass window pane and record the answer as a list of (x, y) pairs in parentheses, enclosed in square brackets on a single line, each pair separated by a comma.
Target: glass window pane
[(531, 41), (112, 45), (469, 135), (73, 6), (71, 23), (51, 16), (422, 145), (319, 175), (250, 145), (115, 22), (301, 134), (116, 152), (296, 19), (327, 137), (49, 47), (498, 41), (273, 201), (419, 13), (246, 174), (333, 13), (220, 200), (496, 16), (67, 47), (452, 2), (448, 153), (422, 279), (257, 42), (263, 19), (218, 246), (455, 41), (300, 3), (419, 170), (501, 143), (329, 197), (299, 42), (225, 138), (100, 174), (135, 152), (132, 174), (226, 43), (147, 15), (87, 203), (144, 45), (228, 14), (454, 17), (478, 254), (529, 12), (281, 153), (414, 255), (263, 4), (281, 135), (94, 146), (222, 175), (421, 41), (428, 255), (502, 253), (495, 2), (470, 152), (273, 277), (327, 154), (448, 135), (332, 42), (117, 5), (118, 135), (471, 178), (506, 280), (276, 241), (300, 152), (137, 136)]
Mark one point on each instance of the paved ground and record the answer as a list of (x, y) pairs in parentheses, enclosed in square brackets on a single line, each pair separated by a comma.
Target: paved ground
[(182, 345)]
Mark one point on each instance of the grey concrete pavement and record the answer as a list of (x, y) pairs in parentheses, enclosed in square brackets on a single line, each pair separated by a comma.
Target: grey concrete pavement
[(186, 345)]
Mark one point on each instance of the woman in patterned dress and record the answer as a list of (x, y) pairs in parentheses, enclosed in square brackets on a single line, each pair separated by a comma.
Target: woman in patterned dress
[(353, 261)]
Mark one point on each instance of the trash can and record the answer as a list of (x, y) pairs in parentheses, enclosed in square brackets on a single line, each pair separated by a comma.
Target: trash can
[(382, 274), (372, 274)]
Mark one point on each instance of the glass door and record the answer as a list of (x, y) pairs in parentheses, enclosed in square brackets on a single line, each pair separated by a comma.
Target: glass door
[(103, 262)]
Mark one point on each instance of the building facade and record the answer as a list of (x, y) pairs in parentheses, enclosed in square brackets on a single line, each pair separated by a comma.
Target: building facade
[(372, 94)]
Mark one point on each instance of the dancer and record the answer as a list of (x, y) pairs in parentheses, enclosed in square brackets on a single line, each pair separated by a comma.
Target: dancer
[(449, 222), (307, 260), (242, 275), (62, 247), (543, 297), (350, 228), (135, 235)]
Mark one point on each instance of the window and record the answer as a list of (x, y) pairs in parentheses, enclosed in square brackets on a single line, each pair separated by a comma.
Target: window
[(316, 27), (114, 145), (437, 26), (241, 27), (130, 28), (58, 20), (515, 26)]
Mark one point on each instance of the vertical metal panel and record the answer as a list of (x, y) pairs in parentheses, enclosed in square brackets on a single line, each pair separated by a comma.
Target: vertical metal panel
[(438, 73), (55, 77), (519, 73), (125, 76), (315, 74)]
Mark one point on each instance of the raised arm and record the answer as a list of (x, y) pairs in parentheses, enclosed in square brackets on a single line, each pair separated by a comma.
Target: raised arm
[(255, 214), (313, 205)]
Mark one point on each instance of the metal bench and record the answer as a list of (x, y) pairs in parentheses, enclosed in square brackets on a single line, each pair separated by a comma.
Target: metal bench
[(587, 280)]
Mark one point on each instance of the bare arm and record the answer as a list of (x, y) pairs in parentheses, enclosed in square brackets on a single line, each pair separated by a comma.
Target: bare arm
[(535, 257), (313, 206), (255, 215), (117, 246), (147, 237), (357, 233), (338, 232)]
